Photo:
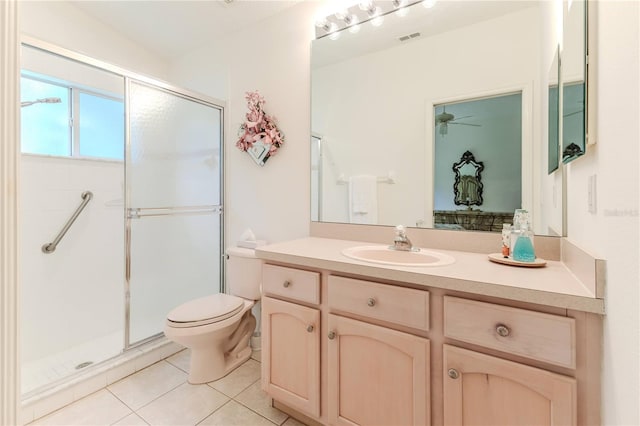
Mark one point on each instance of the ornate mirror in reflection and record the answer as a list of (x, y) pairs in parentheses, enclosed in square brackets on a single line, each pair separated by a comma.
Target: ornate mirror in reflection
[(467, 188)]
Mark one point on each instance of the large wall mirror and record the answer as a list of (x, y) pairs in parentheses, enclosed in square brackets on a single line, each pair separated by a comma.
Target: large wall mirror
[(395, 105)]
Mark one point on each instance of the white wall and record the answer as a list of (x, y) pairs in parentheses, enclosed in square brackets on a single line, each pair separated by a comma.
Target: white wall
[(613, 232), (272, 58), (61, 23)]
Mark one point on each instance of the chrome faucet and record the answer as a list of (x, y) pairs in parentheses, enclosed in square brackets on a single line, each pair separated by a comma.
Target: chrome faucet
[(401, 242)]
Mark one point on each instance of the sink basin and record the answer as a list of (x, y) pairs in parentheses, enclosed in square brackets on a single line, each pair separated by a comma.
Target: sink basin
[(385, 256)]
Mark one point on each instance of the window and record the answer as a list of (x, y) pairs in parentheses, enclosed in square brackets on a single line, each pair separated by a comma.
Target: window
[(64, 120), (101, 128), (45, 126)]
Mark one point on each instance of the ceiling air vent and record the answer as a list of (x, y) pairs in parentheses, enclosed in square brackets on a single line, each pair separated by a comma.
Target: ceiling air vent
[(409, 37)]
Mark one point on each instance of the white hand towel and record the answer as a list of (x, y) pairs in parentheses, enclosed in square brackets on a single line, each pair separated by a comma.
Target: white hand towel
[(363, 199)]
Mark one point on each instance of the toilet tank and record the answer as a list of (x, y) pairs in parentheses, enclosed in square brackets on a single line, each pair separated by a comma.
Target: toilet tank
[(244, 273)]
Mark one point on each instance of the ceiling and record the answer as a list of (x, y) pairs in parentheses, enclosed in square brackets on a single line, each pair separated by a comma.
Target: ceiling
[(172, 28)]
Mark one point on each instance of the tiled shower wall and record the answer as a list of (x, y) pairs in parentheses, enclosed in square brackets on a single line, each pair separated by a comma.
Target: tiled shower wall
[(76, 293)]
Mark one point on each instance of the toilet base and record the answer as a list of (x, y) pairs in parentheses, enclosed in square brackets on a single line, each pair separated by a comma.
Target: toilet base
[(216, 348), (206, 368), (210, 362)]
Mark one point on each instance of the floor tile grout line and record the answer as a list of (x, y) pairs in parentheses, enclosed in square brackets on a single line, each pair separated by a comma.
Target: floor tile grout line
[(159, 396), (214, 411), (279, 424), (126, 415), (232, 397)]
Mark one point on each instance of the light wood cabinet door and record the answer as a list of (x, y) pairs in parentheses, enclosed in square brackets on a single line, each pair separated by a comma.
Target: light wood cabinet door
[(291, 354), (484, 390), (376, 376)]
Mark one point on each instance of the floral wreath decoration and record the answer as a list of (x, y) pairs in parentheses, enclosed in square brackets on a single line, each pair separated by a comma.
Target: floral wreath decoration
[(259, 134)]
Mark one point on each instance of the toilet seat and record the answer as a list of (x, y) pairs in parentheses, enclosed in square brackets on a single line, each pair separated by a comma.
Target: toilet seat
[(205, 310)]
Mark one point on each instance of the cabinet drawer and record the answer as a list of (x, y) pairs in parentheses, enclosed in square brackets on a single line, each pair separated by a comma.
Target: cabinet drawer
[(535, 335), (385, 302), (291, 283)]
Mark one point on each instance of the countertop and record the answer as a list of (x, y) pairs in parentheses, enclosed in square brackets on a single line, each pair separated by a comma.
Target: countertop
[(553, 285)]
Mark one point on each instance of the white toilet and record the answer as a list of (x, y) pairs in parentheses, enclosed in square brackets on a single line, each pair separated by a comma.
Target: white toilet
[(218, 328)]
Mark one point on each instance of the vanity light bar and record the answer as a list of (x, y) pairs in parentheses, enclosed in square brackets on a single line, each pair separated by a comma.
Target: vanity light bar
[(356, 15)]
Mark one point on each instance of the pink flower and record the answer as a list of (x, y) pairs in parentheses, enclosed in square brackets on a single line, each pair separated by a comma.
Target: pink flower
[(259, 125)]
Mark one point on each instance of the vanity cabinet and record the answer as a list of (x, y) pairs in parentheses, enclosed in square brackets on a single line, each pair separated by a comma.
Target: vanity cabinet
[(291, 352), (479, 389), (291, 338), (485, 390), (376, 376), (346, 349)]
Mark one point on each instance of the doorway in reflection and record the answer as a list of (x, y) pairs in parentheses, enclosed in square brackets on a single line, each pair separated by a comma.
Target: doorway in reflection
[(491, 130)]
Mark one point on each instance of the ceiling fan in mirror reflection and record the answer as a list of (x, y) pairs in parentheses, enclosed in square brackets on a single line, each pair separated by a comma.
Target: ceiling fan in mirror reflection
[(444, 119)]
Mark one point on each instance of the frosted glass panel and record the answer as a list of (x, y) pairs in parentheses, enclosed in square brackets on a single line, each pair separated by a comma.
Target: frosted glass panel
[(173, 259), (173, 160), (175, 150)]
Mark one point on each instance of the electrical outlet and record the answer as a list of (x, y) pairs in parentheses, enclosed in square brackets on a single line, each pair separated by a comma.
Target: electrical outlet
[(592, 195)]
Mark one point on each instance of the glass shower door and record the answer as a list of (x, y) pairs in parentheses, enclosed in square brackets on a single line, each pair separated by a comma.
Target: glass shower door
[(174, 210)]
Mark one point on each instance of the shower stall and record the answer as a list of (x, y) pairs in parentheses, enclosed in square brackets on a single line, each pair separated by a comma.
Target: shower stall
[(121, 209)]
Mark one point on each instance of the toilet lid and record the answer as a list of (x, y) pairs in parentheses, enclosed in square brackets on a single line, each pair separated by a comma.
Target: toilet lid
[(205, 310)]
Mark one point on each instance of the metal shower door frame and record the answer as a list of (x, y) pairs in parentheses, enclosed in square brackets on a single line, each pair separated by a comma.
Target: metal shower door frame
[(128, 77), (169, 210)]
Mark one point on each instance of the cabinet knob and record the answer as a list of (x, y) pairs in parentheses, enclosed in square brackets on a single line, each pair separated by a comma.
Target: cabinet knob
[(371, 301), (453, 373), (286, 284), (503, 330), (332, 335)]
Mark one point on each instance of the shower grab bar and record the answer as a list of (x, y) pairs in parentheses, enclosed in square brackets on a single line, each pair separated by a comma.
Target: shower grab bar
[(51, 247)]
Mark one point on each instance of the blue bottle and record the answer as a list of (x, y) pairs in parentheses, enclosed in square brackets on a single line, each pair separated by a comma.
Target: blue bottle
[(523, 250)]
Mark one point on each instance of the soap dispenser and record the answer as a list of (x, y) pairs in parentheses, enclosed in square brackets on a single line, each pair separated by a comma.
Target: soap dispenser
[(523, 249)]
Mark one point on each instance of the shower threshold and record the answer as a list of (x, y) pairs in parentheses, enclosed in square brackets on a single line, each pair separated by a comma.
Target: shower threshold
[(80, 383)]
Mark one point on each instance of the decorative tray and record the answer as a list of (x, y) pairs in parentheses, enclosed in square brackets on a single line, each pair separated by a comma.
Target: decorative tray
[(499, 258)]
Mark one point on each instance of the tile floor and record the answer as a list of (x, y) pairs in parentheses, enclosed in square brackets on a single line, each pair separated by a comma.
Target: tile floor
[(161, 395)]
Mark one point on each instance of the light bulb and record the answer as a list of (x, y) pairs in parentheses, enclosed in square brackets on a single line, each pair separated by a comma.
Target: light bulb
[(352, 22), (334, 35), (341, 14), (398, 4), (377, 21), (373, 12), (346, 17), (429, 3), (402, 12), (366, 5), (323, 24), (354, 28)]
